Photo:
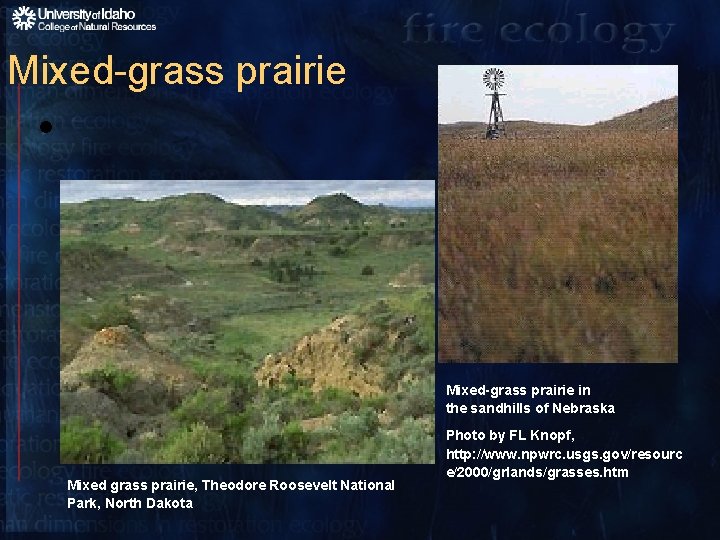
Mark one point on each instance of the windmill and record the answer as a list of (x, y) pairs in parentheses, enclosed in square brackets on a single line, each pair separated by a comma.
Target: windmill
[(494, 78)]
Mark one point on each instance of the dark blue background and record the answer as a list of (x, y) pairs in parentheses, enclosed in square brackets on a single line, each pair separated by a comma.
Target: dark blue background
[(386, 129)]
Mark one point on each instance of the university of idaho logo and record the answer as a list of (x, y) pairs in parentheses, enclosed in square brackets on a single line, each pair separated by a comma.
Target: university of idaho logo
[(23, 18)]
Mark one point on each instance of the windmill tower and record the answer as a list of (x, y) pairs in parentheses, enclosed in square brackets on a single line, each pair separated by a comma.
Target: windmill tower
[(494, 78)]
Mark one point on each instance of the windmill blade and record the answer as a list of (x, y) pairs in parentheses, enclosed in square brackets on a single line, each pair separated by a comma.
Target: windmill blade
[(494, 78)]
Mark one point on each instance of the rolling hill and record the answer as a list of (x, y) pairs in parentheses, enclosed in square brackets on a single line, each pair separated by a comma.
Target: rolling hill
[(192, 211), (202, 212), (659, 115), (655, 116), (340, 209)]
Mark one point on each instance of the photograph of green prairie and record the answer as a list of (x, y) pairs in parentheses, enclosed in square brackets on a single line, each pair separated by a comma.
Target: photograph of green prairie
[(558, 214), (247, 322)]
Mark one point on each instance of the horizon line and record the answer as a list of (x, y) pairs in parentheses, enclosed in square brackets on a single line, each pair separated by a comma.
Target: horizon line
[(674, 96)]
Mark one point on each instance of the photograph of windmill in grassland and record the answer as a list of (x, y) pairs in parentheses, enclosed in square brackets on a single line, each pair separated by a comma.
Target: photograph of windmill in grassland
[(557, 214), (247, 322)]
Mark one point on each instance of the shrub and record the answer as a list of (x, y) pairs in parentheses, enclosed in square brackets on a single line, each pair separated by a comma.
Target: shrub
[(383, 320), (113, 314), (338, 251), (256, 262), (109, 380), (210, 407), (271, 443), (414, 345), (257, 440), (289, 400), (80, 443), (414, 400), (410, 443), (294, 444), (336, 400), (366, 342), (196, 444), (131, 456), (215, 373), (353, 428), (367, 271), (291, 271), (399, 365)]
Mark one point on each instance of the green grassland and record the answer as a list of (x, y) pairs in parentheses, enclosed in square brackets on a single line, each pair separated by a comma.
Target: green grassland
[(204, 290)]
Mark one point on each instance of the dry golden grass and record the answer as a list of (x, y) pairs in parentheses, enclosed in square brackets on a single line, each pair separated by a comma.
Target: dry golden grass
[(559, 249)]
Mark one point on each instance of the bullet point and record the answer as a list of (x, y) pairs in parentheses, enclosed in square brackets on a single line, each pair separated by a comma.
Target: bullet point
[(45, 126)]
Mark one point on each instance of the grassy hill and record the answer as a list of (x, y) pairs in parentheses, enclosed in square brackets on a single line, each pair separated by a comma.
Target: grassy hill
[(339, 209), (335, 209), (201, 212), (659, 115), (193, 211), (655, 116)]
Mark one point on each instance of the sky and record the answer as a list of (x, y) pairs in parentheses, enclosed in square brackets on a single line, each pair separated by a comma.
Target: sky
[(403, 193), (579, 95)]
